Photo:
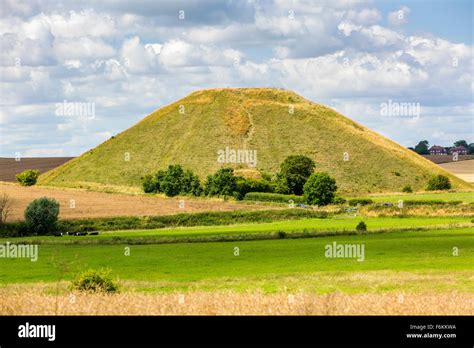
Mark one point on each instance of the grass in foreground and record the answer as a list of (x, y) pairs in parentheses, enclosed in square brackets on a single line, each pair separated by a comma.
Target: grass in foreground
[(182, 265)]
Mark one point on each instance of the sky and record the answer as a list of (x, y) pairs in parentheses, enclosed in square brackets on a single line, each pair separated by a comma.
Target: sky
[(125, 59)]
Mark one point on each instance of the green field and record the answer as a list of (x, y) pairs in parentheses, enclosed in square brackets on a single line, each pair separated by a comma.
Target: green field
[(334, 224), (467, 197), (260, 264), (409, 253)]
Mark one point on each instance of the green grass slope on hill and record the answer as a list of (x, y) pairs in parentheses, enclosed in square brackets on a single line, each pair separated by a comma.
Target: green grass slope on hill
[(276, 123)]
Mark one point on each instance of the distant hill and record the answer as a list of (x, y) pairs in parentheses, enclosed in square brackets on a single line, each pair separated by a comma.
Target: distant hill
[(276, 123)]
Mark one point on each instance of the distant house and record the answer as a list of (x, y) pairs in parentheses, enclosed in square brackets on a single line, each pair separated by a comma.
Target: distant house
[(437, 150), (460, 150)]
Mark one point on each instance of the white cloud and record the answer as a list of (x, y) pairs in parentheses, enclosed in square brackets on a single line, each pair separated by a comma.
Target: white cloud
[(178, 53), (139, 58), (399, 17), (130, 60), (80, 24), (82, 48), (366, 16)]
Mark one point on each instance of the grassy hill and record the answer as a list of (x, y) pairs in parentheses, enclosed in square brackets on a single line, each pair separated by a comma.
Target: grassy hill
[(192, 130)]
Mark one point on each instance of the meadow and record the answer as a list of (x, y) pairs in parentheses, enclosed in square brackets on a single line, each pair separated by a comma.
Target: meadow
[(258, 262), (337, 224), (261, 265)]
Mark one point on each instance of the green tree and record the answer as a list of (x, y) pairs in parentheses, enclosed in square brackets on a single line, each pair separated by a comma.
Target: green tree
[(149, 183), (294, 171), (172, 181), (461, 143), (41, 215), (191, 184), (320, 189), (471, 148), (221, 183), (439, 182), (422, 148)]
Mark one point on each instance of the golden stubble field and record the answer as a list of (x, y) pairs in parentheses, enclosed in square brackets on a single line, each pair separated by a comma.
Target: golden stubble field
[(18, 301), (462, 169), (89, 204)]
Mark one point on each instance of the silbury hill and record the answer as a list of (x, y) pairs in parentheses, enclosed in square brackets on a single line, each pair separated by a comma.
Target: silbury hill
[(252, 130)]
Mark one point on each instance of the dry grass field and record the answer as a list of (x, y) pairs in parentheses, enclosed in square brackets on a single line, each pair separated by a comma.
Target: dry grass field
[(18, 301), (462, 169), (99, 204)]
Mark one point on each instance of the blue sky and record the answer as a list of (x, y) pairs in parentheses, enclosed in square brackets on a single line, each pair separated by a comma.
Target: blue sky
[(450, 20), (128, 58)]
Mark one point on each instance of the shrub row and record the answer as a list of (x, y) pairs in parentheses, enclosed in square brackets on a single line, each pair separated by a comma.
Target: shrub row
[(177, 181)]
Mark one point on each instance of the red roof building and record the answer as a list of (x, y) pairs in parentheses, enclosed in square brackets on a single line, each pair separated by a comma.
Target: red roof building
[(437, 150), (460, 150)]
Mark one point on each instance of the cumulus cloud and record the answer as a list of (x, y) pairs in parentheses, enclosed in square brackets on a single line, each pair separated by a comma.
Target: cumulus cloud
[(399, 17), (130, 60)]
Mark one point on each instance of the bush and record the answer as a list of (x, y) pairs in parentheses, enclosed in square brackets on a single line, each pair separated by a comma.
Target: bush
[(339, 200), (273, 197), (28, 177), (294, 171), (320, 189), (95, 281), (148, 183), (41, 215), (407, 189), (361, 227), (362, 201), (439, 182), (221, 183), (244, 186)]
